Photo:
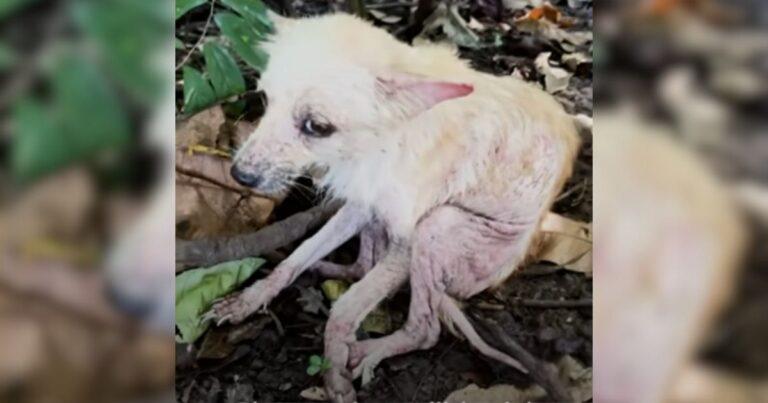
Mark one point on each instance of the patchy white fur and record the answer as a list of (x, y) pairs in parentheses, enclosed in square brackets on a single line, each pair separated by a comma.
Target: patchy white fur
[(402, 164), (459, 166)]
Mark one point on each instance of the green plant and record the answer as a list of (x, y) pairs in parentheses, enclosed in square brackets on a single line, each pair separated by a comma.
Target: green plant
[(196, 290), (243, 25), (96, 71), (318, 365)]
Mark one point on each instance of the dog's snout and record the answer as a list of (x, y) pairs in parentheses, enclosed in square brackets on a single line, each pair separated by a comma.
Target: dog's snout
[(245, 178)]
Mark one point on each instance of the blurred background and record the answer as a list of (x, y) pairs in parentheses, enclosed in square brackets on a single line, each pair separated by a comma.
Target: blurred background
[(681, 195), (86, 227)]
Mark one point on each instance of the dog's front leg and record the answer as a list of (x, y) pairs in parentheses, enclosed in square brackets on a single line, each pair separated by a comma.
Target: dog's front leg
[(341, 227)]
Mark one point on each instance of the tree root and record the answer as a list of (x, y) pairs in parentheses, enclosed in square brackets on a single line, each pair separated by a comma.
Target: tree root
[(210, 251), (537, 370)]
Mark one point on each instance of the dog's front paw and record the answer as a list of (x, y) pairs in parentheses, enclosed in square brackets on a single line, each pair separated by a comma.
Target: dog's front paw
[(234, 308)]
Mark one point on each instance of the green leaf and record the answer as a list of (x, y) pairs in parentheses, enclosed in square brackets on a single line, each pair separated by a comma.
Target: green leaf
[(222, 68), (334, 288), (130, 54), (244, 39), (198, 92), (178, 44), (83, 118), (197, 289), (254, 11), (378, 321), (35, 135), (183, 6), (315, 360), (8, 57), (312, 370)]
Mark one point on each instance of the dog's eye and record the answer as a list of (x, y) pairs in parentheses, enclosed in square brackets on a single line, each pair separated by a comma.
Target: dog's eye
[(313, 128)]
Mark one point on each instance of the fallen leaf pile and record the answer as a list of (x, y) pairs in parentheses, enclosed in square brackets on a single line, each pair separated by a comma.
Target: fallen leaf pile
[(567, 243)]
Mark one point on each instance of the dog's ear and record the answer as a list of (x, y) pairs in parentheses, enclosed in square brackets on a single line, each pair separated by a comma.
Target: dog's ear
[(415, 94)]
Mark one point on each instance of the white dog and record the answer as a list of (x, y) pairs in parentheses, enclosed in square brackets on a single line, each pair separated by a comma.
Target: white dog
[(456, 166)]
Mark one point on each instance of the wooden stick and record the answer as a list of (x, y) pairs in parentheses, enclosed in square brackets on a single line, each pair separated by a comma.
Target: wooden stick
[(207, 252)]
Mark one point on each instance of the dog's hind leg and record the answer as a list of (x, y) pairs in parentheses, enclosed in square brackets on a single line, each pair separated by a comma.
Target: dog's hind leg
[(456, 253), (373, 245)]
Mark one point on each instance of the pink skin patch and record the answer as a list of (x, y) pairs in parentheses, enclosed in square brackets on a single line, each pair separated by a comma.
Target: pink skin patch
[(455, 253), (434, 92), (429, 93)]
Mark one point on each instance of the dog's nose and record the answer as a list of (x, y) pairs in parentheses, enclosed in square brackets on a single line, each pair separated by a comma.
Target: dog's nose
[(244, 178)]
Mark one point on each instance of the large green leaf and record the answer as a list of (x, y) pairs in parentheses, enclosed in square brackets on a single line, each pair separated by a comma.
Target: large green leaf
[(82, 119), (8, 57), (182, 6), (254, 11), (223, 71), (129, 53), (197, 289), (34, 135), (198, 92), (244, 39)]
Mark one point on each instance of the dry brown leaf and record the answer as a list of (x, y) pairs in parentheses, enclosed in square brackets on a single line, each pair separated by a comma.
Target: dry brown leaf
[(546, 29), (567, 243), (496, 394), (314, 393), (576, 378), (204, 208), (208, 209), (53, 211), (202, 128), (548, 12)]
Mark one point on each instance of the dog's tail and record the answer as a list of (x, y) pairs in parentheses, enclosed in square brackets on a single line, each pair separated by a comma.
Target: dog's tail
[(454, 318)]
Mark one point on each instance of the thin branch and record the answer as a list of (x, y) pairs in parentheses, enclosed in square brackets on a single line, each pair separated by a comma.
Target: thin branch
[(241, 191), (199, 40), (207, 252)]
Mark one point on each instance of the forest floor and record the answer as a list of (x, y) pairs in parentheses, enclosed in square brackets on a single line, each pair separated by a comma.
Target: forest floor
[(270, 361)]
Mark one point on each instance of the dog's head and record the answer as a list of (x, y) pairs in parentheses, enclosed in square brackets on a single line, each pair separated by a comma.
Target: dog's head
[(333, 94)]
